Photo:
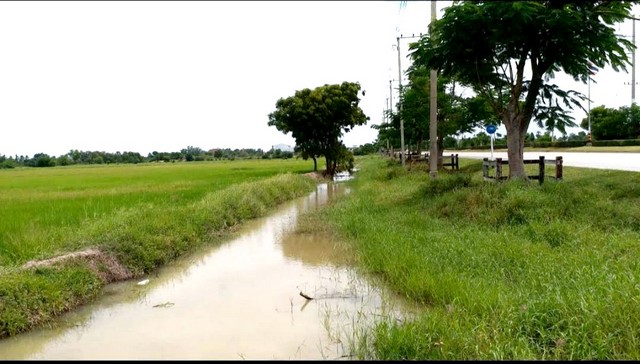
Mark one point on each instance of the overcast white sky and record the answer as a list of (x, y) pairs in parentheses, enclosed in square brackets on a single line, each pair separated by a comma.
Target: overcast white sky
[(160, 76)]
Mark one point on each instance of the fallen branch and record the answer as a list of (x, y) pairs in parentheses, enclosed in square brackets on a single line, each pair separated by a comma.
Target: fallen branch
[(305, 296)]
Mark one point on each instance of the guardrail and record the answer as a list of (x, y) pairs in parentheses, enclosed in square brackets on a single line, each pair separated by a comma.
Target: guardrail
[(424, 158), (496, 164)]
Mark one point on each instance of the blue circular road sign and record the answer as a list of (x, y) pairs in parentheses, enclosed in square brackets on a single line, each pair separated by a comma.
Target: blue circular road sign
[(491, 129)]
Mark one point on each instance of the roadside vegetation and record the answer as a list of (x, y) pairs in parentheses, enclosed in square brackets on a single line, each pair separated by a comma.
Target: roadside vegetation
[(119, 222), (509, 270)]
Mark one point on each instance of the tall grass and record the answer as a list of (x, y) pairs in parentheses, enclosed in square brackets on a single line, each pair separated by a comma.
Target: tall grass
[(146, 236), (503, 270), (142, 235), (41, 207)]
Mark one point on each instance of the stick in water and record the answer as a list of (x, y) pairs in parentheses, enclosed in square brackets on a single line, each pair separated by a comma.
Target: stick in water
[(305, 296)]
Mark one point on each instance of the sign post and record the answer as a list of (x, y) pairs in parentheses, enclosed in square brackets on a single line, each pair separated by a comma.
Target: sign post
[(491, 129)]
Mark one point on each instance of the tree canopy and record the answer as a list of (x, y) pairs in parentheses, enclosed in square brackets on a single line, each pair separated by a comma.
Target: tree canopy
[(610, 124), (509, 51), (456, 113), (317, 120)]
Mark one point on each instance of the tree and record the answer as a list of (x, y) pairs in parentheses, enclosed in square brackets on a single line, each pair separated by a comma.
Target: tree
[(317, 119), (367, 148), (41, 160), (551, 119), (192, 153), (456, 114), (504, 50), (389, 132), (414, 106), (611, 124)]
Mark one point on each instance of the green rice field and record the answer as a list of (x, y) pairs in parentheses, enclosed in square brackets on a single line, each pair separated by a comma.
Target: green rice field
[(42, 208)]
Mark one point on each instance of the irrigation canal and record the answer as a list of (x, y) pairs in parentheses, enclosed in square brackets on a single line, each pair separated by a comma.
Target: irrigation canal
[(240, 300)]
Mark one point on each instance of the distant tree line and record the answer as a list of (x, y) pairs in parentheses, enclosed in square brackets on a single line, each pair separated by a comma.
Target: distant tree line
[(481, 140), (539, 139), (188, 154), (368, 148)]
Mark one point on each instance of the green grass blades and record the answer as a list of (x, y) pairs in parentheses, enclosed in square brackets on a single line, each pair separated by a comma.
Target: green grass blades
[(505, 270), (36, 296)]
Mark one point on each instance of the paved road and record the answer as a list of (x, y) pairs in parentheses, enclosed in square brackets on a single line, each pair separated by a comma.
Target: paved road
[(619, 161)]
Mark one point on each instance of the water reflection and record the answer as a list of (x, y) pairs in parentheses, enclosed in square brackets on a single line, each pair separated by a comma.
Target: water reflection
[(314, 250), (343, 176), (240, 300)]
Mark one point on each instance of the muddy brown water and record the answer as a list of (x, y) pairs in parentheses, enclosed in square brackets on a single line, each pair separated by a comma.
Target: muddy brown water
[(239, 300)]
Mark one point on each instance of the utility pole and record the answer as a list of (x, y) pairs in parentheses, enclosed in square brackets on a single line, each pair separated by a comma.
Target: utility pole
[(433, 106), (400, 95), (633, 63), (400, 103), (390, 97), (387, 116), (589, 109)]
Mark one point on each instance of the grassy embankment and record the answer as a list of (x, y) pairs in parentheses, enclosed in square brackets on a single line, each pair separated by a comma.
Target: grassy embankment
[(503, 270), (142, 216)]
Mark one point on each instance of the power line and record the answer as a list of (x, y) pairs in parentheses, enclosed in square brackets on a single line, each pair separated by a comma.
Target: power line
[(402, 151), (412, 36)]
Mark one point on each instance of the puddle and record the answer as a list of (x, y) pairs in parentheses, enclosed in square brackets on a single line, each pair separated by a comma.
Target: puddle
[(240, 300)]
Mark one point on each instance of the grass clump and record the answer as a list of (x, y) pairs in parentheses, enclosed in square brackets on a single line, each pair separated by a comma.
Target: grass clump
[(35, 296), (507, 270)]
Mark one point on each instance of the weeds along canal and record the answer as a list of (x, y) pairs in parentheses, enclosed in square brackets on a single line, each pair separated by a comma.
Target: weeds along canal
[(239, 300)]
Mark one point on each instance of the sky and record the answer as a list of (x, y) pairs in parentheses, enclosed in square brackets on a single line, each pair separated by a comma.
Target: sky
[(146, 76)]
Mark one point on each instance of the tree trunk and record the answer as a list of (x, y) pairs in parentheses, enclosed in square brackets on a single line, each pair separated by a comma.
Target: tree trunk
[(516, 119), (330, 171), (315, 164), (515, 146)]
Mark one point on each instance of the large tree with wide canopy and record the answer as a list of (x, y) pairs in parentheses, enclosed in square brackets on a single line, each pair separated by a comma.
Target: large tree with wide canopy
[(509, 51), (318, 118)]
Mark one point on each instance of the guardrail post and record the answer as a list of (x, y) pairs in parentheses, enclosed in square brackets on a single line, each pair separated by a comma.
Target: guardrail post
[(485, 167), (558, 168), (498, 168), (541, 169)]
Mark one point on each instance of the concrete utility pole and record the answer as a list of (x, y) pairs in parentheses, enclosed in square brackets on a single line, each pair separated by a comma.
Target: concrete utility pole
[(592, 72), (633, 63), (400, 94), (433, 109), (388, 117), (400, 103), (390, 97)]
